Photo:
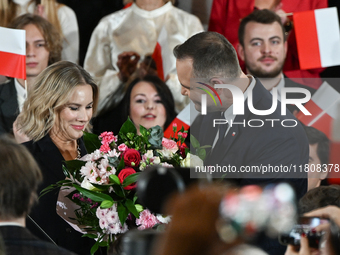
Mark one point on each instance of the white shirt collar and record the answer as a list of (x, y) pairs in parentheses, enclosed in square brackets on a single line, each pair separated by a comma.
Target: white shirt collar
[(20, 89), (10, 223), (279, 86), (151, 14)]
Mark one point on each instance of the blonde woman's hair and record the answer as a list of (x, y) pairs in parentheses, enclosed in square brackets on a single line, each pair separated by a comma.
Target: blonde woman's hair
[(49, 95), (51, 36), (8, 11), (51, 11)]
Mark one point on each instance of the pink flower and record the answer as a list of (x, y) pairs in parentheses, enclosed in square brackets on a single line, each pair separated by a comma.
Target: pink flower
[(174, 125), (169, 145), (107, 137), (146, 220), (105, 148), (184, 135), (122, 147)]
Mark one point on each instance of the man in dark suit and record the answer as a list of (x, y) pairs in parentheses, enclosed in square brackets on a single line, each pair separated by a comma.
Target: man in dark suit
[(19, 179), (43, 48), (263, 47), (252, 141)]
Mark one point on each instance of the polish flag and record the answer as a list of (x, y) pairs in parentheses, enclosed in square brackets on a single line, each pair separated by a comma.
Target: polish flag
[(13, 53), (163, 55), (323, 107), (317, 38), (184, 119)]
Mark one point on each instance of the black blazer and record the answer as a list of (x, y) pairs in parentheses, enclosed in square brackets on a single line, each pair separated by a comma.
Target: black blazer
[(20, 241), (50, 161), (258, 146), (9, 108)]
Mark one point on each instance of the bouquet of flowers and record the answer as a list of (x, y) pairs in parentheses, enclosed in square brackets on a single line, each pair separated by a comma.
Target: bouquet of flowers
[(101, 185)]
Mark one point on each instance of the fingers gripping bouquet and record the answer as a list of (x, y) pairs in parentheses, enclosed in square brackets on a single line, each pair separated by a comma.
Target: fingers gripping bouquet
[(100, 187)]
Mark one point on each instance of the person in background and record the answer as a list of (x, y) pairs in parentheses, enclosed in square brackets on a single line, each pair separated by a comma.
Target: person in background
[(57, 111), (124, 37), (226, 16), (318, 157), (263, 48), (59, 15), (147, 101), (19, 179), (43, 48)]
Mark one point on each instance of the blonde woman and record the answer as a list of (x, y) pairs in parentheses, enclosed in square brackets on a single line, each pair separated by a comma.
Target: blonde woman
[(58, 109), (60, 16)]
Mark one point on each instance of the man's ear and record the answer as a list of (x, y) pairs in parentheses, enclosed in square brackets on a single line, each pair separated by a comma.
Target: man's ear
[(240, 51), (217, 80)]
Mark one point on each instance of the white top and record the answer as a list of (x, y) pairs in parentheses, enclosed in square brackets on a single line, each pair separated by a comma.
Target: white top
[(69, 27), (134, 29), (21, 94)]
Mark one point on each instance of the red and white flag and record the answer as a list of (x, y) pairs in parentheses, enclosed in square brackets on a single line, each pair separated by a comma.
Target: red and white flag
[(323, 107), (13, 52), (184, 119), (317, 38), (163, 55)]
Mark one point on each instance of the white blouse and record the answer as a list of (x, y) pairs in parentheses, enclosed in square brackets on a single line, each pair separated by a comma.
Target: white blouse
[(134, 29)]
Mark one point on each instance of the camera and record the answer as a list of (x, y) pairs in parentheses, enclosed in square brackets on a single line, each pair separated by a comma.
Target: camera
[(305, 226)]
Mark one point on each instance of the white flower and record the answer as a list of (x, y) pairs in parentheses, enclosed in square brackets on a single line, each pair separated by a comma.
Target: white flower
[(89, 169), (113, 153), (87, 185), (149, 154), (163, 219), (156, 160), (112, 217), (191, 161)]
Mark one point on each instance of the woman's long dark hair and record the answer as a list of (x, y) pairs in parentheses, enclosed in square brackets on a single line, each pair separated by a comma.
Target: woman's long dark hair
[(163, 92)]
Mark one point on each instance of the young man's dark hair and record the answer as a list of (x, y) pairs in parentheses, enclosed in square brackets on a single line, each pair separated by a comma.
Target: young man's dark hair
[(317, 137), (259, 16)]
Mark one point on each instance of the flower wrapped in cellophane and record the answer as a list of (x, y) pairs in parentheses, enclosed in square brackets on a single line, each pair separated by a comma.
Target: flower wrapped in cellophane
[(98, 196)]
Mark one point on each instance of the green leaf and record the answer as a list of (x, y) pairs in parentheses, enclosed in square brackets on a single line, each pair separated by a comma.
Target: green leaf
[(114, 161), (106, 204), (143, 131), (114, 179), (89, 236), (121, 164), (194, 142), (104, 244), (131, 207), (73, 166), (91, 142), (205, 147), (94, 248), (101, 187), (127, 127), (95, 196), (201, 153), (130, 179), (139, 207), (122, 212), (119, 191)]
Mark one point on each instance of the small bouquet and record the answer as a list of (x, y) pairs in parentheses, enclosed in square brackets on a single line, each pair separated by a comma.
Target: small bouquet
[(101, 201)]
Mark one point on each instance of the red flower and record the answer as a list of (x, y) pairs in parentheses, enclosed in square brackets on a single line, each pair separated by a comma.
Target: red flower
[(131, 158), (182, 150), (125, 173)]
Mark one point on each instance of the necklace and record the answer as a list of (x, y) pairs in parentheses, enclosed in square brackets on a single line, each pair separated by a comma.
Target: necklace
[(78, 151)]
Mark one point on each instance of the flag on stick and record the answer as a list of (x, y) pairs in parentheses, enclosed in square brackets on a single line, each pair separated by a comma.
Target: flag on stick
[(317, 38), (184, 119), (162, 55), (13, 52)]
